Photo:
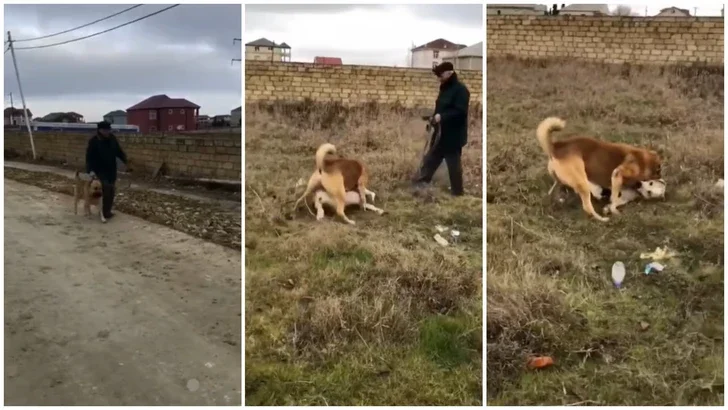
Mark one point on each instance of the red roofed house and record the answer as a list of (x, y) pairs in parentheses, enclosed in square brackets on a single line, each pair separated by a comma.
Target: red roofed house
[(327, 60), (161, 113)]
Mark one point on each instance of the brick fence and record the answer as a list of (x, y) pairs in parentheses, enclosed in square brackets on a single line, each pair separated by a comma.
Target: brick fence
[(349, 85), (214, 156), (638, 40)]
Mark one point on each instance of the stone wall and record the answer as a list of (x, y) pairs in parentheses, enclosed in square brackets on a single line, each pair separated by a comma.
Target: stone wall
[(349, 85), (214, 156), (637, 40)]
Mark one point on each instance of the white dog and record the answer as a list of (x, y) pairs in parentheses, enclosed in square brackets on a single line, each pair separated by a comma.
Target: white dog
[(647, 189), (321, 198)]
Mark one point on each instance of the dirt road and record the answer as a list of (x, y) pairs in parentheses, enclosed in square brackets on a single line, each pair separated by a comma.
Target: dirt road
[(126, 313)]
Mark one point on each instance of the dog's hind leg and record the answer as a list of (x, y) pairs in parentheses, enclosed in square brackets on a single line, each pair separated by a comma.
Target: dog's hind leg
[(373, 208), (313, 183), (334, 186), (573, 174), (371, 194)]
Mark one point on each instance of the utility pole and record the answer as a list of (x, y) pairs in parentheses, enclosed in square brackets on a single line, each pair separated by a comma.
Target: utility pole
[(695, 11), (22, 96), (235, 40), (12, 110)]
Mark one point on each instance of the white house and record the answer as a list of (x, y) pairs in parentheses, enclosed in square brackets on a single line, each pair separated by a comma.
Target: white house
[(431, 54), (468, 58)]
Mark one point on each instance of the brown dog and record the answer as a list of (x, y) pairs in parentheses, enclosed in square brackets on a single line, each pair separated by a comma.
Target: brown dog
[(91, 193), (337, 176), (575, 161)]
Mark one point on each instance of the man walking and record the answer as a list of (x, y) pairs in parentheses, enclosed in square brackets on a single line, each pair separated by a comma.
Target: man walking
[(451, 115), (101, 153)]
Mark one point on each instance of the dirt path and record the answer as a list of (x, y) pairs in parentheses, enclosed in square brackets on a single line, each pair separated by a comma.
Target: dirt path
[(127, 313)]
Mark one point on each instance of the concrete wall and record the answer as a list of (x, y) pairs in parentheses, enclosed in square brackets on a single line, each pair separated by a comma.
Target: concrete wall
[(638, 40), (199, 156), (349, 85)]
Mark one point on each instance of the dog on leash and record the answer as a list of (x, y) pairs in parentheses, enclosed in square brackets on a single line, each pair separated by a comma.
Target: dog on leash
[(575, 161), (91, 192), (322, 199), (337, 176)]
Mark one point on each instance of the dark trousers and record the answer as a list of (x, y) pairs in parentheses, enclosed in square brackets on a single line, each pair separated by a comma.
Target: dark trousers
[(108, 191), (432, 161)]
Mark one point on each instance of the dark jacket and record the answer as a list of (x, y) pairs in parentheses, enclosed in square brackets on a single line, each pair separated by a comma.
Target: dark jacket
[(452, 105), (101, 155)]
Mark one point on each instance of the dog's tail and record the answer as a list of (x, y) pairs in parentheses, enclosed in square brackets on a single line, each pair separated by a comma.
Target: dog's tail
[(543, 133), (322, 152)]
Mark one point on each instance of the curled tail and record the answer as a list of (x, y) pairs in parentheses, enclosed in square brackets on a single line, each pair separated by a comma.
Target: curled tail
[(543, 133), (321, 153)]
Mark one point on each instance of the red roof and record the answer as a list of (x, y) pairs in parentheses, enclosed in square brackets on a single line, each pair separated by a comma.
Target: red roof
[(162, 101), (327, 60)]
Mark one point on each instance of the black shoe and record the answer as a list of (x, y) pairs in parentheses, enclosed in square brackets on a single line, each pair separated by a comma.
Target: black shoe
[(109, 216)]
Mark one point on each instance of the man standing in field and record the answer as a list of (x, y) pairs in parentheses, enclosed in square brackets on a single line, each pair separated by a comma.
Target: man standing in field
[(101, 153), (451, 115)]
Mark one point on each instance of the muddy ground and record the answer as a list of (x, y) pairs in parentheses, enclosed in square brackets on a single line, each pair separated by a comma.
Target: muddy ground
[(123, 313)]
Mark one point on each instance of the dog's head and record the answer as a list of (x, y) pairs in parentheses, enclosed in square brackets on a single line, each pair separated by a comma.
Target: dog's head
[(95, 189), (652, 189), (653, 165)]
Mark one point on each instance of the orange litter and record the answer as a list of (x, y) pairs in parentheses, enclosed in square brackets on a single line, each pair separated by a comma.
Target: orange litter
[(540, 362)]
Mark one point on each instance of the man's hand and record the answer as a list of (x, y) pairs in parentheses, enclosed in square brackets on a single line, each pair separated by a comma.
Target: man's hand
[(436, 119)]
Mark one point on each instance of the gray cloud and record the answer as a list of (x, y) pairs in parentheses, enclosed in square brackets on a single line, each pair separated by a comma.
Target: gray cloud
[(182, 52)]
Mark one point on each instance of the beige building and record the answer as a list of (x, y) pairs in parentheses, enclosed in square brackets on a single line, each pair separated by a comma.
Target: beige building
[(431, 54), (673, 12), (516, 9), (468, 58), (585, 10), (264, 49)]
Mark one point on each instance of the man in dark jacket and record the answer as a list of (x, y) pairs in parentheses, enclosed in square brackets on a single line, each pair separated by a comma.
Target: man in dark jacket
[(101, 153), (451, 115)]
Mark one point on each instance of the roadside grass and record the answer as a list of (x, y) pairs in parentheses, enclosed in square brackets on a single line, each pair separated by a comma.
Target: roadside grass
[(659, 340), (374, 314)]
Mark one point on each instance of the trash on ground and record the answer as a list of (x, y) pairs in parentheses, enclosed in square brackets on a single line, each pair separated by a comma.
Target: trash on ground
[(654, 267), (439, 239), (658, 254), (719, 184), (618, 274), (644, 325), (455, 235), (440, 228), (540, 362)]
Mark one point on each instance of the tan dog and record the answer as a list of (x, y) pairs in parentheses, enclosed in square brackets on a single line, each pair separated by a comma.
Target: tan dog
[(337, 176), (576, 161), (90, 192)]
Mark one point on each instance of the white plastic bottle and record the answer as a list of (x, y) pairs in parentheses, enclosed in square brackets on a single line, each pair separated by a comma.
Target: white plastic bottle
[(618, 273)]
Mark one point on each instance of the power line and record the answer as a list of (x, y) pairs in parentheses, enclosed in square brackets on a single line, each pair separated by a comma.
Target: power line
[(100, 32), (85, 25)]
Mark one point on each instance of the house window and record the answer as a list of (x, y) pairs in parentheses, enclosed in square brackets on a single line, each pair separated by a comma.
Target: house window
[(170, 111), (270, 48), (257, 48), (170, 128), (182, 111), (435, 54), (499, 12), (152, 114)]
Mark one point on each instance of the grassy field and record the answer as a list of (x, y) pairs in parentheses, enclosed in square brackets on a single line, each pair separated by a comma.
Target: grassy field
[(659, 340), (375, 314)]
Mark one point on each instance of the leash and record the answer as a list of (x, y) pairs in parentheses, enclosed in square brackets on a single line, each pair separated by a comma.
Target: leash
[(431, 142)]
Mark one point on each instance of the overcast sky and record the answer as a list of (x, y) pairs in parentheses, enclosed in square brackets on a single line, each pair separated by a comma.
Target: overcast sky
[(362, 34), (185, 52)]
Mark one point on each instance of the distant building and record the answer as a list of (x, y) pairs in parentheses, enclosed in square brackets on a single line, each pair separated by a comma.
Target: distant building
[(431, 54), (15, 116), (327, 60), (116, 117), (236, 117), (69, 117), (221, 120), (673, 12), (161, 113), (468, 58), (585, 10), (265, 50), (204, 121), (516, 9)]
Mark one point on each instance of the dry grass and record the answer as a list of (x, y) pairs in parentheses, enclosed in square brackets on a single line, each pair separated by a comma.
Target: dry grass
[(376, 314), (548, 288)]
